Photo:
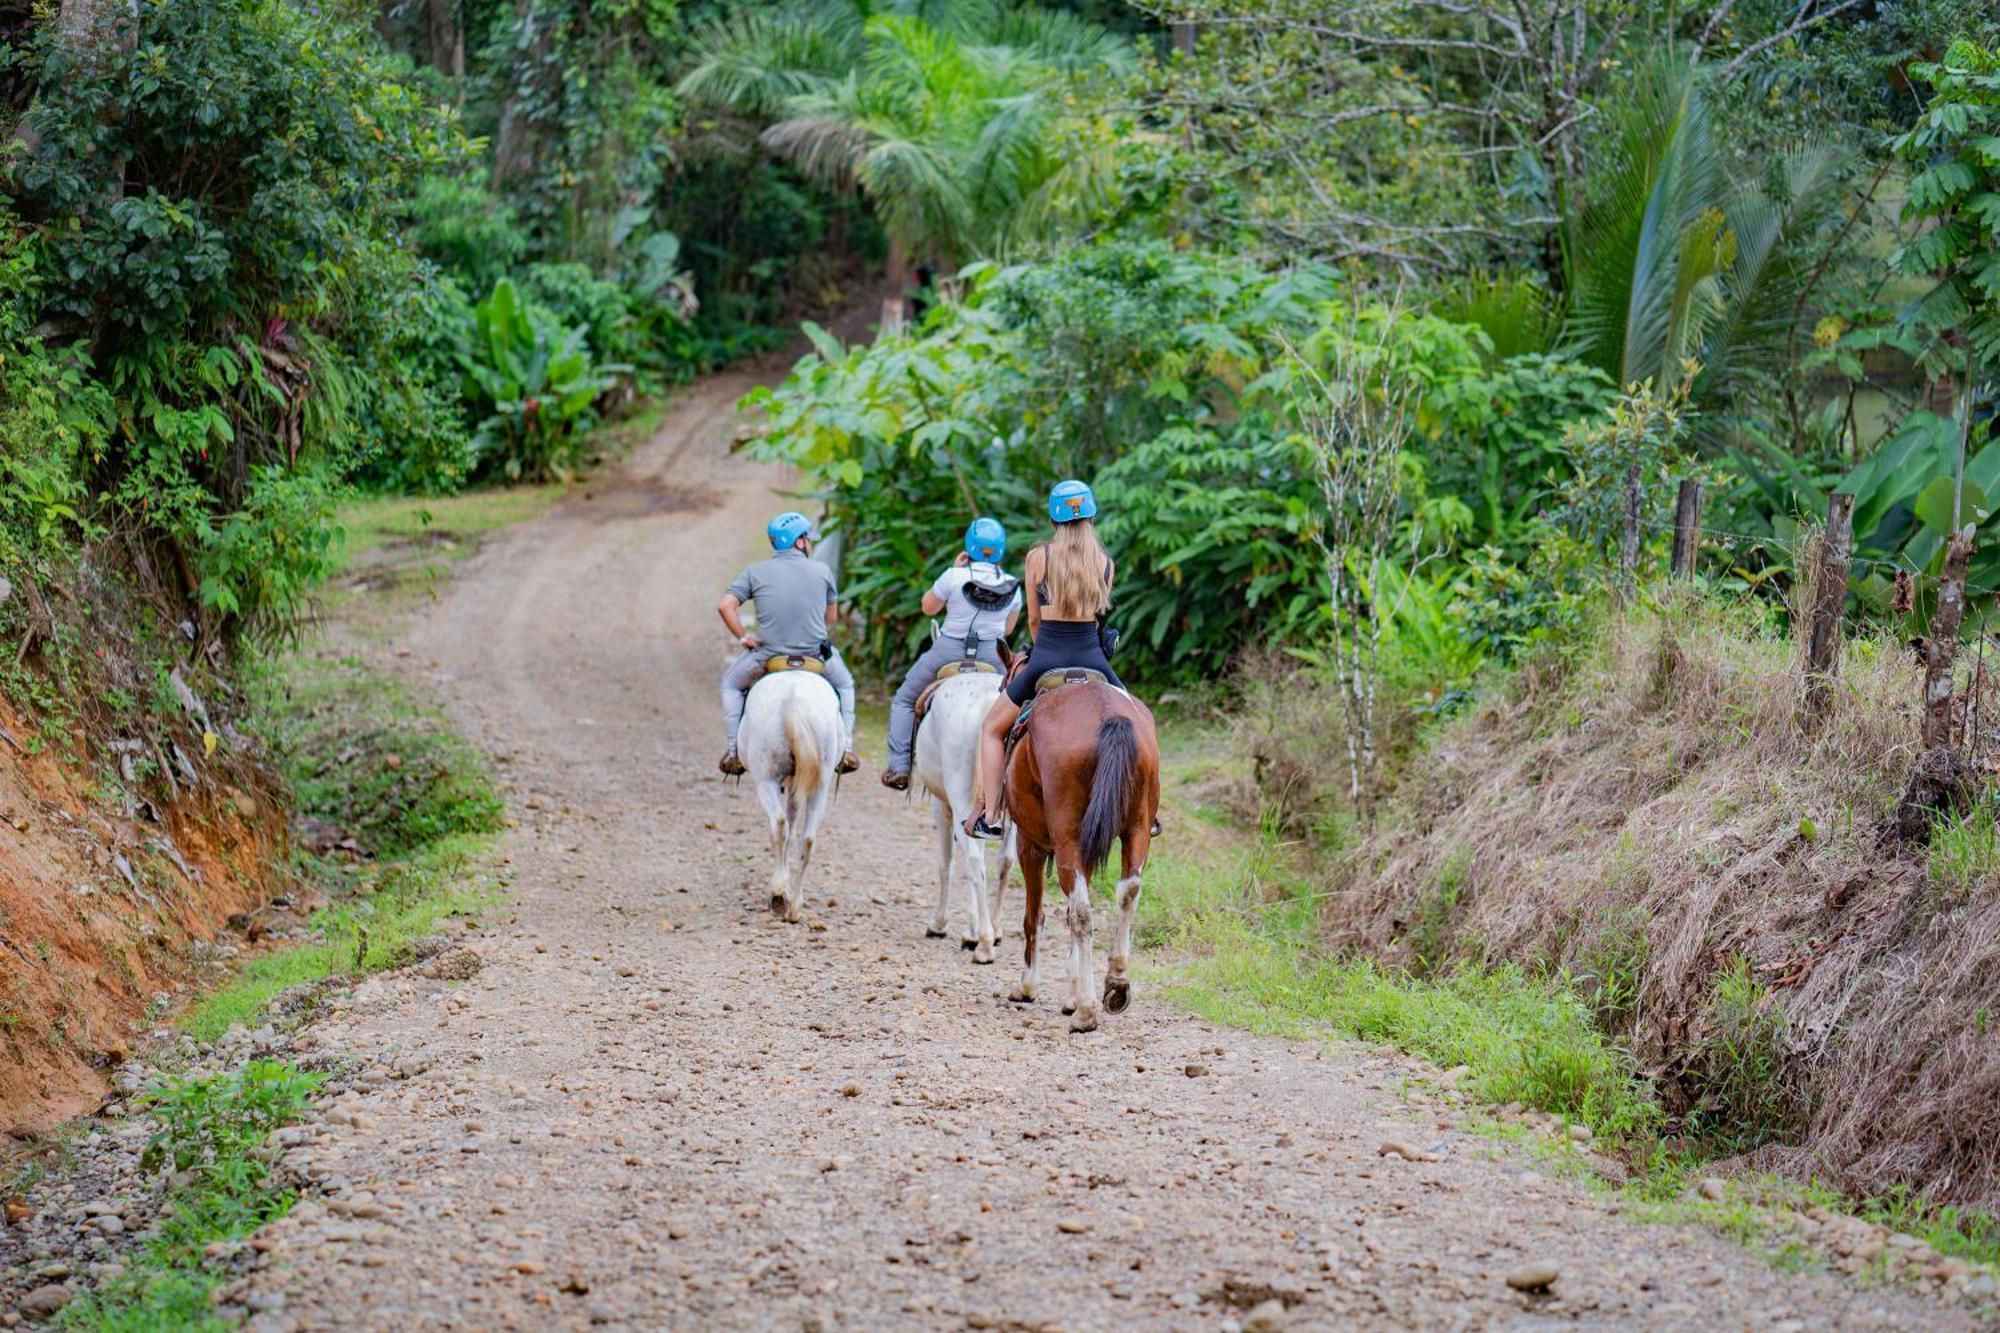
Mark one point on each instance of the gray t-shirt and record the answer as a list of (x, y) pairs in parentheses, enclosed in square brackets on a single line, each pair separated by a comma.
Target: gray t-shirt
[(791, 593)]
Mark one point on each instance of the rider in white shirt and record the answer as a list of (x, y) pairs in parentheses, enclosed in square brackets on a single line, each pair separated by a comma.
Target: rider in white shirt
[(980, 603)]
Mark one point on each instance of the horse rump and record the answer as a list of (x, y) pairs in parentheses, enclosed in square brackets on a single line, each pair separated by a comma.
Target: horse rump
[(1113, 789)]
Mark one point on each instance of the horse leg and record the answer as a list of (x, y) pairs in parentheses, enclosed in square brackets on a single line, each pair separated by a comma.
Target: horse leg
[(1118, 986), (1083, 984), (997, 892), (981, 907), (1032, 861), (946, 842), (773, 801)]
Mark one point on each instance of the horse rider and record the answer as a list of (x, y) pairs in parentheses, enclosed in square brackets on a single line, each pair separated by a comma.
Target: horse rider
[(980, 604), (1071, 576), (795, 599)]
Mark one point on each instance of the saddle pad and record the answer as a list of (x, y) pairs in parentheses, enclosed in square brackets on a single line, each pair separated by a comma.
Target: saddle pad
[(945, 673), (1055, 680), (795, 662)]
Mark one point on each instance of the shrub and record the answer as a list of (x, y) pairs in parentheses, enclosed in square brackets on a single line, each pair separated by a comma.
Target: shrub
[(460, 225), (536, 382), (207, 207)]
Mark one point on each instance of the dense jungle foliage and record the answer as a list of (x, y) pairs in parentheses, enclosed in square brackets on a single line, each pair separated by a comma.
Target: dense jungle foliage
[(263, 252)]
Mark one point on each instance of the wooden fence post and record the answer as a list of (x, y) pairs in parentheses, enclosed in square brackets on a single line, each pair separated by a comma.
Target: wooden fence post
[(1828, 600), (1687, 529), (1628, 544), (1940, 646)]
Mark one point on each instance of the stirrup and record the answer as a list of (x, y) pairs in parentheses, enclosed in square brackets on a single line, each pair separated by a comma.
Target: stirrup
[(848, 763), (731, 766), (895, 781), (975, 826)]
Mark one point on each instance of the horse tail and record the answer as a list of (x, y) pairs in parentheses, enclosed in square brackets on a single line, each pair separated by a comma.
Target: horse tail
[(1112, 789), (805, 748)]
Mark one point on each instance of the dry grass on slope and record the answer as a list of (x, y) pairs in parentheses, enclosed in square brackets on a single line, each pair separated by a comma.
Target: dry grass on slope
[(1652, 821)]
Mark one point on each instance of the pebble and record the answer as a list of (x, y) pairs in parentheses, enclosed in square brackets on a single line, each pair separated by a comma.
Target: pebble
[(46, 1300), (1270, 1317), (1537, 1276), (1074, 1226), (1196, 1071)]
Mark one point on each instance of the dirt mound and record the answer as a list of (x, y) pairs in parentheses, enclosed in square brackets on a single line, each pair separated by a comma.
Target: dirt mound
[(1653, 822)]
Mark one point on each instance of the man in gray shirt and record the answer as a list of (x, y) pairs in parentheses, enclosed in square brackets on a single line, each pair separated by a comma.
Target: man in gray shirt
[(795, 598)]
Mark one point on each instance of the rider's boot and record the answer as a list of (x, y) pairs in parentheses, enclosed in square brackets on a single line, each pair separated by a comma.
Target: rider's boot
[(895, 781), (848, 763), (731, 766)]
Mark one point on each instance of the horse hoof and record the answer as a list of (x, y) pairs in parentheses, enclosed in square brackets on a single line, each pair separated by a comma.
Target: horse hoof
[(1021, 995), (1068, 1009), (1085, 1021), (1117, 996), (777, 904), (982, 955), (931, 934), (968, 945)]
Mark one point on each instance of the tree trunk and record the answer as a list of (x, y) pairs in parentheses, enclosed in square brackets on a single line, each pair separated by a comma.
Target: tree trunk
[(446, 38)]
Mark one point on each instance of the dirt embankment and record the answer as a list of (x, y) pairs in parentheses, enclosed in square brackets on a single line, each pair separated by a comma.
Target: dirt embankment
[(113, 896), (1655, 822)]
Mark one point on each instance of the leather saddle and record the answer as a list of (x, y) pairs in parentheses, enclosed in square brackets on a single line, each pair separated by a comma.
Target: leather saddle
[(794, 662)]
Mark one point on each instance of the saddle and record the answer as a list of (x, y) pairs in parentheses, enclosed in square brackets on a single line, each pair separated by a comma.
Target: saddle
[(1044, 683), (970, 667), (794, 662)]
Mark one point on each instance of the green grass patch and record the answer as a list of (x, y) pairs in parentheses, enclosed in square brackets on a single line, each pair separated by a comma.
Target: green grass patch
[(1964, 850), (366, 931), (372, 524), (208, 1134)]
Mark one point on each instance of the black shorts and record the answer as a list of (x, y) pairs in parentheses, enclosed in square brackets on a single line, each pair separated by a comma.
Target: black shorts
[(1061, 645)]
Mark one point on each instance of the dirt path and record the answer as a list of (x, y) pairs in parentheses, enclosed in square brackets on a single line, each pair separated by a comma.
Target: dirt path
[(655, 1107)]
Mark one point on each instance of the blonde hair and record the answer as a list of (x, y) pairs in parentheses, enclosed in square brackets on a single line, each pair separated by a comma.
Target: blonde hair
[(1076, 572)]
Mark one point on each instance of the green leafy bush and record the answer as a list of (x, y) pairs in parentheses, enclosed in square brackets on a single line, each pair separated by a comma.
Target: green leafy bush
[(208, 207), (461, 226), (536, 382)]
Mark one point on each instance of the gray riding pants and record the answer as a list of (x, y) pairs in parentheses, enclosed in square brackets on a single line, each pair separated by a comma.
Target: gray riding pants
[(903, 708)]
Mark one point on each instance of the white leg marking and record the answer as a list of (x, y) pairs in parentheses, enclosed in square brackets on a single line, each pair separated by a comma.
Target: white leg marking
[(1083, 978)]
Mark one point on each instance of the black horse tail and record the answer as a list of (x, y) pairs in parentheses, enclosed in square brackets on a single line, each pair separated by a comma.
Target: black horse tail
[(1112, 790)]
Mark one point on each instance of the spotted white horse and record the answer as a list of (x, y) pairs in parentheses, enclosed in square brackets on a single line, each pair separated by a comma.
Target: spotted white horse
[(789, 742), (947, 759)]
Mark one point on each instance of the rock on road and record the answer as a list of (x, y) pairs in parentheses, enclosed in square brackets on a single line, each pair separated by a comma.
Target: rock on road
[(655, 1107)]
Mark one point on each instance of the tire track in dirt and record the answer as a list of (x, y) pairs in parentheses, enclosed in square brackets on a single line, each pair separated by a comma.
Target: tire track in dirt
[(657, 1108)]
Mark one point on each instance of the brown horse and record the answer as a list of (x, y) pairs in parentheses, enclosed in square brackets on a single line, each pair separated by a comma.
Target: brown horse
[(1085, 774)]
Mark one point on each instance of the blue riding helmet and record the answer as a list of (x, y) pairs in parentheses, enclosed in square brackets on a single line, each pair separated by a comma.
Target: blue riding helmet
[(786, 529), (1071, 500), (986, 540)]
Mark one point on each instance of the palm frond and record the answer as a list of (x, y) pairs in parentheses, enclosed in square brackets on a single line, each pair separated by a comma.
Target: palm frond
[(755, 61)]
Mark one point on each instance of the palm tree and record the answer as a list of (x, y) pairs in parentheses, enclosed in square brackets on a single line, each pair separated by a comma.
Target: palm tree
[(1673, 260), (943, 114)]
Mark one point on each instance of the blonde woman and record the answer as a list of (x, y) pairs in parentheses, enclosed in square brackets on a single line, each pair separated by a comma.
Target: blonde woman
[(1071, 578)]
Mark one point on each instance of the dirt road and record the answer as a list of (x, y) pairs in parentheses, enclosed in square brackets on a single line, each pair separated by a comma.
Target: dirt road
[(656, 1107)]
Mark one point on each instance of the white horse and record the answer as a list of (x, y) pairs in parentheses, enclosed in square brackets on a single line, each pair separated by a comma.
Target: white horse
[(789, 743), (947, 757)]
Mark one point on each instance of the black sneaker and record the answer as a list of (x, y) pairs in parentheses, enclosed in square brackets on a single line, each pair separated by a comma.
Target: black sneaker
[(731, 766), (895, 781), (977, 827)]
